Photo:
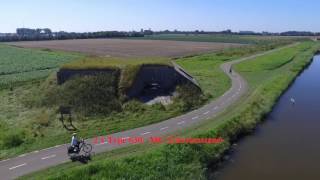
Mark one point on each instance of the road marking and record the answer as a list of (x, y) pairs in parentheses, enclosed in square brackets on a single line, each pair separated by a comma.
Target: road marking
[(181, 122), (105, 142), (206, 112), (17, 166), (35, 151), (58, 146), (145, 133), (48, 157), (47, 148), (161, 129), (4, 160), (196, 117), (22, 155)]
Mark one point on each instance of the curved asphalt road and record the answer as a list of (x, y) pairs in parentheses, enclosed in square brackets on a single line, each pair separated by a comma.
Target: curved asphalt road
[(37, 160)]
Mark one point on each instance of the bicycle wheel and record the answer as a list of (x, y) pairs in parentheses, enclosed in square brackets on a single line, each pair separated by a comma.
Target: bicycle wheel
[(87, 148)]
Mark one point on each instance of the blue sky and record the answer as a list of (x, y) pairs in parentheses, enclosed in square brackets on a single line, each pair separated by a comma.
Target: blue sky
[(211, 15)]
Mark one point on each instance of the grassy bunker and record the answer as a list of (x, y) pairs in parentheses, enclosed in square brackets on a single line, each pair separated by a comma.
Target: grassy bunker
[(87, 84), (125, 70)]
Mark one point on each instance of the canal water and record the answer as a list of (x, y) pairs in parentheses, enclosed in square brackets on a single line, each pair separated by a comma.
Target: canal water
[(287, 144)]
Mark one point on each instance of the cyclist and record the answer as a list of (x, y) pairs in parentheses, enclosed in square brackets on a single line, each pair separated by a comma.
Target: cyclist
[(74, 142)]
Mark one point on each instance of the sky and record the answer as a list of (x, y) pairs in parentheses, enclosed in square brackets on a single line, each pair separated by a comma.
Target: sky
[(128, 15)]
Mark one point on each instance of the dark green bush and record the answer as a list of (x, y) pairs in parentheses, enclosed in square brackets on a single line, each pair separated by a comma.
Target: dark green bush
[(189, 97), (134, 106), (89, 95), (13, 139)]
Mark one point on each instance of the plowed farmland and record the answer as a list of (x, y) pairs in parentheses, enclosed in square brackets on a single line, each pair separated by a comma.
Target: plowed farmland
[(129, 48)]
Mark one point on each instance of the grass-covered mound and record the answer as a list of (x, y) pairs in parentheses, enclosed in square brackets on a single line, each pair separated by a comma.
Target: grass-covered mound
[(97, 85), (127, 68)]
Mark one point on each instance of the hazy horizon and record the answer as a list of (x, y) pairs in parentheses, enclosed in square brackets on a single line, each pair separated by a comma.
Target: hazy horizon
[(129, 15)]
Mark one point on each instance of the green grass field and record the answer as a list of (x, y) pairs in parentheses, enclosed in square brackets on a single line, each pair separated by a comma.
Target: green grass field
[(206, 68), (262, 68), (190, 161), (20, 65), (112, 62)]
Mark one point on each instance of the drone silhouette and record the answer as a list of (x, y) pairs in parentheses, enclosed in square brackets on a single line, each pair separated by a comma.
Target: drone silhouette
[(66, 111)]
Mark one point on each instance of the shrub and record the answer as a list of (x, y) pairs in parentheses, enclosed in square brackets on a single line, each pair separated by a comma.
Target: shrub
[(134, 106), (43, 119), (89, 95), (13, 139), (188, 97)]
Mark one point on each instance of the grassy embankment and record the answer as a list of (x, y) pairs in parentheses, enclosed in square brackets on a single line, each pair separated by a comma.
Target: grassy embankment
[(268, 77)]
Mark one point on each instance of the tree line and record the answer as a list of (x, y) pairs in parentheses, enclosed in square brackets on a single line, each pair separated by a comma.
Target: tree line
[(25, 34)]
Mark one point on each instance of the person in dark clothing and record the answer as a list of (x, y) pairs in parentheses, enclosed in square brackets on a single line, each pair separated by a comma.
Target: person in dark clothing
[(74, 142)]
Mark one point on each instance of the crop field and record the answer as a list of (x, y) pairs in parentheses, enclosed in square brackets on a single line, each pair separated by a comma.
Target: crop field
[(129, 48), (242, 39), (19, 64)]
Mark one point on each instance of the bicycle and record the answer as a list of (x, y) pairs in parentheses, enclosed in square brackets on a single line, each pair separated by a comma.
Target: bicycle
[(83, 146)]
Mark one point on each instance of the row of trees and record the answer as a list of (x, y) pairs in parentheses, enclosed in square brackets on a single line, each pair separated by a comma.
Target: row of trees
[(299, 33), (24, 34), (229, 32)]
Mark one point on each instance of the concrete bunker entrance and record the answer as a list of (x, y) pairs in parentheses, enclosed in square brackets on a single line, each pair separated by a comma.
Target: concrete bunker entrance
[(154, 81)]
